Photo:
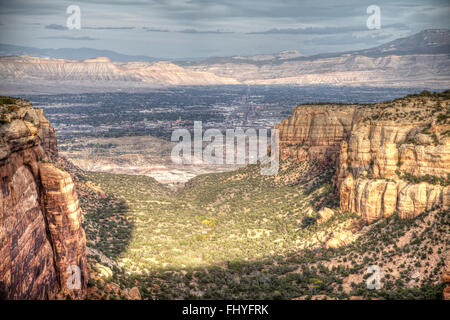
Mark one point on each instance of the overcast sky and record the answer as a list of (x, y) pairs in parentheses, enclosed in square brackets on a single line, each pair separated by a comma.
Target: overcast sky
[(205, 28)]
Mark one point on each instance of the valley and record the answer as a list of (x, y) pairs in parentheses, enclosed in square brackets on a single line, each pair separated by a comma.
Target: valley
[(213, 157), (240, 235), (130, 133), (243, 235), (349, 196)]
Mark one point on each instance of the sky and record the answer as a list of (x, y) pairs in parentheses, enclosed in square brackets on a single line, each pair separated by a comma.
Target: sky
[(183, 29)]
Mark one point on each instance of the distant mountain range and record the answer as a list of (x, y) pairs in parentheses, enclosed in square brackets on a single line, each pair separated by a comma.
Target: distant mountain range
[(69, 53), (421, 60), (431, 41)]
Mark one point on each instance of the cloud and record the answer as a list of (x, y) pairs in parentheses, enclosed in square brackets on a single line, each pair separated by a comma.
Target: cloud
[(60, 27), (120, 2), (189, 30), (348, 39), (203, 31), (326, 30), (154, 29), (207, 10), (109, 28), (55, 27), (31, 8), (178, 28), (69, 38)]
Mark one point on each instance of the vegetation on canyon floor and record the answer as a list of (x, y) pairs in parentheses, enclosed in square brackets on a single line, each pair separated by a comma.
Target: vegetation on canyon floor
[(241, 235)]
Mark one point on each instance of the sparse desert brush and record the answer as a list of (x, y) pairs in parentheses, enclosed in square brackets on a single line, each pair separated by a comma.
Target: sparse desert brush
[(242, 235)]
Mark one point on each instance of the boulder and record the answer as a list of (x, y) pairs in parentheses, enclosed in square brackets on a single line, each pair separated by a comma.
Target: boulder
[(325, 214)]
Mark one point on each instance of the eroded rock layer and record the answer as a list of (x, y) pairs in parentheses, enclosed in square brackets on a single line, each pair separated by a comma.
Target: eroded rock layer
[(389, 157), (315, 132), (40, 220)]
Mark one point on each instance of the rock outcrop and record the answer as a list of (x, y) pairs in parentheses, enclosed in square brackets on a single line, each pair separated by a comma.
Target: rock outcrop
[(389, 157), (324, 214), (315, 132), (42, 243)]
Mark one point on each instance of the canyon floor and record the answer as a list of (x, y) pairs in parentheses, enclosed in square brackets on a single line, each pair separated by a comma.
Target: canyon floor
[(241, 235)]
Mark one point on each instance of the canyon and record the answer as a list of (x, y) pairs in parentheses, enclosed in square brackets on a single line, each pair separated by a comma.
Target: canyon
[(345, 170)]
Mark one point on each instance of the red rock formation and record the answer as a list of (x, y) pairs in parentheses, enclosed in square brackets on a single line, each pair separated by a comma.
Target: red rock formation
[(40, 231), (373, 148), (315, 132), (63, 216), (367, 176), (26, 267)]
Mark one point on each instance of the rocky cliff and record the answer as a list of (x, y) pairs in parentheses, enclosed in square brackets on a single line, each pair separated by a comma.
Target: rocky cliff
[(315, 132), (389, 157), (42, 243)]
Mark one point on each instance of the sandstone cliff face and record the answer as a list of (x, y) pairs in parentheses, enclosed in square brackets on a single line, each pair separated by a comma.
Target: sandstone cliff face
[(64, 217), (40, 220), (315, 132), (389, 157)]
